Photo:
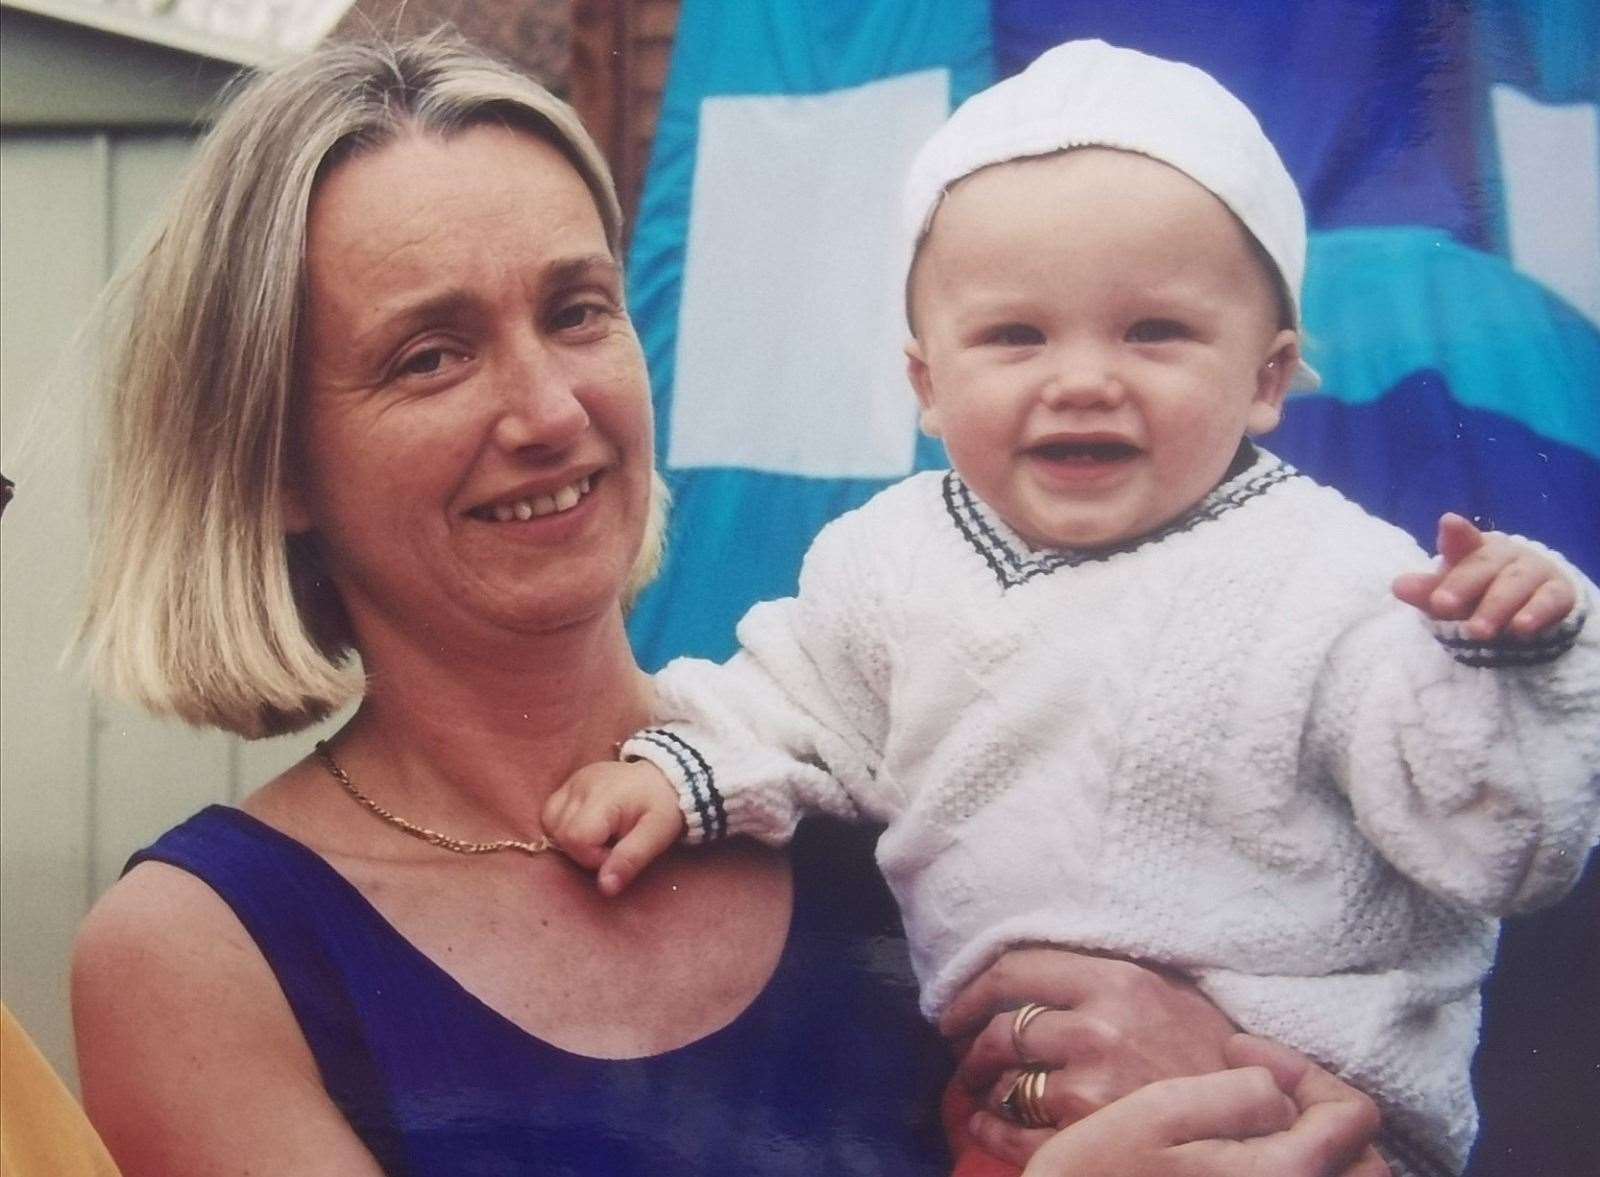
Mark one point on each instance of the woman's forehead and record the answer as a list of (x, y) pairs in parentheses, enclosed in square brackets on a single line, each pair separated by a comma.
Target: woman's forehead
[(422, 179), (485, 198), (429, 229)]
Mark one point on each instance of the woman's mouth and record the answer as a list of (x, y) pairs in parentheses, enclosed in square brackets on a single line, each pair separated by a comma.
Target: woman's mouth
[(535, 506)]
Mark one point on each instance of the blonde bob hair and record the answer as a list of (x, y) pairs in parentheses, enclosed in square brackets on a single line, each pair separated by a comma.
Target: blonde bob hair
[(199, 606)]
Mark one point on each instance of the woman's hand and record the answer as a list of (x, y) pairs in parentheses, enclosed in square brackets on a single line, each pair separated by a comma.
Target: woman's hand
[(1276, 1116), (1112, 1028)]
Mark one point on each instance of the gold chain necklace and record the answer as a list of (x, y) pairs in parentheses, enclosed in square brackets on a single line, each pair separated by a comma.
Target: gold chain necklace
[(432, 837)]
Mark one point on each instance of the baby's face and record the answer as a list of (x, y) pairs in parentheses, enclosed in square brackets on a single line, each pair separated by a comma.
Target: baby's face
[(1095, 335)]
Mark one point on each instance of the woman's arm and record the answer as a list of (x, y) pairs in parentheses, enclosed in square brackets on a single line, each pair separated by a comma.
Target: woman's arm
[(191, 1060)]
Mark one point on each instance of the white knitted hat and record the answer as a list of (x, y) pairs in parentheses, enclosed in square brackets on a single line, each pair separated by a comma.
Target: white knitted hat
[(1088, 93)]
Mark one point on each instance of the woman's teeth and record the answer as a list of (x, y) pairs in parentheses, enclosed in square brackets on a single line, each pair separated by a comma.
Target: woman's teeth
[(536, 505)]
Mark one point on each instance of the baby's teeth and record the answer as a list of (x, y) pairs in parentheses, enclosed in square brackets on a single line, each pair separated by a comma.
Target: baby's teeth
[(524, 509), (566, 498), (504, 513)]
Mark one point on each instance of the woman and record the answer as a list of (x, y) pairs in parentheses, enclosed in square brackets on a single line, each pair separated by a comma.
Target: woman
[(378, 394)]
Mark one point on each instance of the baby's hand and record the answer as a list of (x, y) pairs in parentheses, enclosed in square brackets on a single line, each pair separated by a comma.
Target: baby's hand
[(1490, 581), (614, 817)]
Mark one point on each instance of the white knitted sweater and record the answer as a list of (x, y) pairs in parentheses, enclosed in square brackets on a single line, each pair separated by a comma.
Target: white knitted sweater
[(1226, 748)]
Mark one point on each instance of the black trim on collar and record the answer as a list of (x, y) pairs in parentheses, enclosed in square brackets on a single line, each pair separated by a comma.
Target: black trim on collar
[(1251, 475)]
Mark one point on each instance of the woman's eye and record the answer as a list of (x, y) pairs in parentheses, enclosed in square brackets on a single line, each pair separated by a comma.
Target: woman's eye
[(1156, 331), (428, 362), (1015, 335), (577, 315)]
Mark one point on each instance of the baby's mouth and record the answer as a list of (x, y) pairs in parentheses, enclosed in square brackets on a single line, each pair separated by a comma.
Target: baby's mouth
[(1087, 452)]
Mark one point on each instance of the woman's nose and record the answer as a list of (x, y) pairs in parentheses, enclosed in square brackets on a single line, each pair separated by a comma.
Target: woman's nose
[(540, 406)]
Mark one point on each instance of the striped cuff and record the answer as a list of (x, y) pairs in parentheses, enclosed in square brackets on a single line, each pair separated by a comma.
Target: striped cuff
[(704, 814), (1510, 651)]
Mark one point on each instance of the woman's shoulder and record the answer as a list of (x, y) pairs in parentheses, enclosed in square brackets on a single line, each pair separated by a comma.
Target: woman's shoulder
[(178, 918), (160, 961), (156, 925), (164, 923), (180, 1022)]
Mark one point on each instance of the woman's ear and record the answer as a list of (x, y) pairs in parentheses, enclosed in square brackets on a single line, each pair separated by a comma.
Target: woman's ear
[(1272, 382), (922, 382)]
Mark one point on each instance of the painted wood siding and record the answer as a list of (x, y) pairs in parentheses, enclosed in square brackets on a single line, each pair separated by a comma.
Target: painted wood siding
[(83, 781)]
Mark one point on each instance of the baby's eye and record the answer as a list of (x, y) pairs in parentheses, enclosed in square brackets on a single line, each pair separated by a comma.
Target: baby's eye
[(1157, 331), (1014, 335)]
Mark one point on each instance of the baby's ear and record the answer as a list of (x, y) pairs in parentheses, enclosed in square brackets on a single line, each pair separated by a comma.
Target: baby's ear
[(922, 382), (1272, 382)]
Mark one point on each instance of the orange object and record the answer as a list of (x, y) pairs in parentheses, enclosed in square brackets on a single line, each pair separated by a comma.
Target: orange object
[(955, 1111), (43, 1131)]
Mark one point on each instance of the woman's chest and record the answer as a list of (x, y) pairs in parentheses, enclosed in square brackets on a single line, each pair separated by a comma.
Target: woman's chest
[(682, 954)]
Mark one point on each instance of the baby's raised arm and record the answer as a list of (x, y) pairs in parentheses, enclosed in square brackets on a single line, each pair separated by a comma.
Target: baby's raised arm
[(1467, 746)]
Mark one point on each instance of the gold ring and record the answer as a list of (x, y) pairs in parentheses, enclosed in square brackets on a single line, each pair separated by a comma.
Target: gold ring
[(1020, 1022), (1024, 1100)]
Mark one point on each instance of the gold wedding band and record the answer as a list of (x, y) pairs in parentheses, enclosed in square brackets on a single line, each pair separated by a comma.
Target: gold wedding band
[(1019, 1023), (1024, 1100)]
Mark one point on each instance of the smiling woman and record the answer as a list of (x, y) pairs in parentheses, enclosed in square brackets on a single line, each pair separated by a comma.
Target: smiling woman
[(373, 393)]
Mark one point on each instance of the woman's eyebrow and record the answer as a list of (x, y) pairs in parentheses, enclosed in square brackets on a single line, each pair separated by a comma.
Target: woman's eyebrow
[(457, 302), (447, 305), (564, 271)]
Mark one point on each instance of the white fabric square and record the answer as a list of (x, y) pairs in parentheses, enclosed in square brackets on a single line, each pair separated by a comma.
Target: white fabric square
[(791, 326), (1550, 163)]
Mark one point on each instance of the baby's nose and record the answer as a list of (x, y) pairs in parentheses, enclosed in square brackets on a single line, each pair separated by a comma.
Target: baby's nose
[(1083, 375)]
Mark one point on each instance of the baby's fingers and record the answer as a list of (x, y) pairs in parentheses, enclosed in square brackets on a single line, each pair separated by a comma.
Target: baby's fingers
[(1463, 584), (1516, 588), (1414, 588), (1549, 605), (655, 831), (1458, 537), (582, 828)]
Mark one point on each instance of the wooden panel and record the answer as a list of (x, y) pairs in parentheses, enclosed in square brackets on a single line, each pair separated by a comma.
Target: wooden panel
[(57, 74), (52, 253), (148, 774), (530, 34), (655, 20), (620, 54)]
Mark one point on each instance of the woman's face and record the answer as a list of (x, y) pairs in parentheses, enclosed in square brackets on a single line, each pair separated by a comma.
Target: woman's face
[(474, 438)]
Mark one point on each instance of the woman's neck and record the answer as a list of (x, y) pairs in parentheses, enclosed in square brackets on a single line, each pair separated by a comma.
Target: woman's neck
[(484, 739)]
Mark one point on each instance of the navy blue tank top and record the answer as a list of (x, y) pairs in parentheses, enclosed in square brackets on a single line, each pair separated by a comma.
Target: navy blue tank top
[(829, 1070)]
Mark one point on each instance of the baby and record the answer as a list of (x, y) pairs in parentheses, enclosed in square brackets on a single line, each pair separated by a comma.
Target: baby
[(1121, 680)]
